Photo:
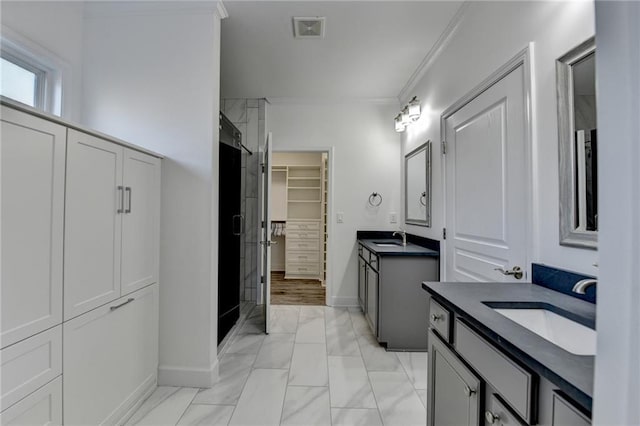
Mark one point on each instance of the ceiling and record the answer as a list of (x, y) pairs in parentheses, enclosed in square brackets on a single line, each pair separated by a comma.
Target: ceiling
[(370, 50)]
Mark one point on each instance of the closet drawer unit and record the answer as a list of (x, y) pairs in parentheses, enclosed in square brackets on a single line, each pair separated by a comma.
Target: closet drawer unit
[(303, 268), (302, 245), (30, 364), (302, 234), (516, 385), (110, 358), (302, 226), (42, 407), (303, 256), (440, 319)]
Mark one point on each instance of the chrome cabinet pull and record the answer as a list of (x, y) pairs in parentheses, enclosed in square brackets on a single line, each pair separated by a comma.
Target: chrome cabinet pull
[(436, 318), (113, 308), (121, 205), (128, 191), (468, 391), (423, 196), (517, 272), (490, 417)]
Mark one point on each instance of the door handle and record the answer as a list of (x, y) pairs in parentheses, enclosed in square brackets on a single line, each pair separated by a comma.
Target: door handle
[(113, 308), (516, 272), (237, 224), (121, 205), (128, 191)]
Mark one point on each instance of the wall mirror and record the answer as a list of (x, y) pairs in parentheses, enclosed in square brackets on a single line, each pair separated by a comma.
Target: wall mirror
[(578, 146), (417, 186)]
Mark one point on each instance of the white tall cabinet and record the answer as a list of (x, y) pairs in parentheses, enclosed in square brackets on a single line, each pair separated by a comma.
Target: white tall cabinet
[(79, 252)]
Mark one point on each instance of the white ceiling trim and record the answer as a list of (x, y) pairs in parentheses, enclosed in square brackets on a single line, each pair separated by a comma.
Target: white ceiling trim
[(434, 52), (221, 11), (331, 101), (98, 10)]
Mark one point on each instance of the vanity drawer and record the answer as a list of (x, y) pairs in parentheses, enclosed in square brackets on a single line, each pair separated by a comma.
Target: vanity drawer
[(516, 385), (303, 245), (303, 256), (30, 364), (440, 319), (497, 413), (302, 226), (303, 234), (565, 414), (303, 268)]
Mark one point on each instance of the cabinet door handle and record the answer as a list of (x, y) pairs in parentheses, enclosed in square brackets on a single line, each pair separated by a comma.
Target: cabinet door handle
[(436, 318), (468, 391), (516, 272), (121, 205), (113, 308), (490, 417), (128, 191)]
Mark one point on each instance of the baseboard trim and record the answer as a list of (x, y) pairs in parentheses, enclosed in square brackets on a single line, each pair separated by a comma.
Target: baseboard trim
[(344, 302), (171, 375)]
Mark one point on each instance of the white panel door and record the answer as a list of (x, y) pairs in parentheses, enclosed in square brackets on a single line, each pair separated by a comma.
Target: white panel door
[(140, 221), (32, 154), (93, 223), (264, 188), (110, 358), (486, 184)]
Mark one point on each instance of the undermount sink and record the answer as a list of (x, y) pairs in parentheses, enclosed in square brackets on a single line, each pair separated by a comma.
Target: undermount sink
[(387, 244), (563, 332)]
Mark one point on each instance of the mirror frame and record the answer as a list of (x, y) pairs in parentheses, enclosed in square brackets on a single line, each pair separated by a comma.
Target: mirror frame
[(426, 147), (569, 235)]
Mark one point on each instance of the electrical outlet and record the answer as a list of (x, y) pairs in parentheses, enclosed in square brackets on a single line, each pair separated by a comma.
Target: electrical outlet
[(340, 217), (393, 218)]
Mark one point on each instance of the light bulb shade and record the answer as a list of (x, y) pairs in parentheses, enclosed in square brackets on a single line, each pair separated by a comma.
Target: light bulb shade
[(399, 125), (405, 116), (414, 109)]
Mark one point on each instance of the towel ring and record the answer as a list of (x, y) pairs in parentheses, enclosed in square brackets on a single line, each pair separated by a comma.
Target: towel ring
[(373, 197), (423, 197)]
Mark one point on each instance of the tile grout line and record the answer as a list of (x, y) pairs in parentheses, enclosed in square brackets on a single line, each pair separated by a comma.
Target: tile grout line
[(289, 370), (187, 407)]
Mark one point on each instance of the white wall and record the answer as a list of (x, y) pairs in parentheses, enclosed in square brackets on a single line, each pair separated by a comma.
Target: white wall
[(52, 29), (366, 159), (489, 35), (617, 378), (153, 79)]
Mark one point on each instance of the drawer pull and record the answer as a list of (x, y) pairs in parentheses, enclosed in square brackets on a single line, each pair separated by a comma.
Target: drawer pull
[(468, 391), (113, 308), (436, 317), (490, 417)]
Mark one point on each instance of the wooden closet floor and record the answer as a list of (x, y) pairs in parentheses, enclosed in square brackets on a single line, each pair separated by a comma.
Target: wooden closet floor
[(296, 292)]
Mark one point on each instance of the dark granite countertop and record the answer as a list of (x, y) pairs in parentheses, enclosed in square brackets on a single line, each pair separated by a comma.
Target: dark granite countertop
[(409, 250), (573, 374)]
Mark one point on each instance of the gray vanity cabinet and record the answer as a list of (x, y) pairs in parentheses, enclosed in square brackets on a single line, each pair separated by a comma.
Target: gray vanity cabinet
[(458, 397), (371, 312)]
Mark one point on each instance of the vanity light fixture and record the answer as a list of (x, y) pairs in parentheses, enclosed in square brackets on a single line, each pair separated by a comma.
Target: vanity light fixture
[(409, 114), (399, 124)]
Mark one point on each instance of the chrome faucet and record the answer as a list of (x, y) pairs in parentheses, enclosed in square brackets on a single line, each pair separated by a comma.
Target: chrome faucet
[(403, 233), (581, 286)]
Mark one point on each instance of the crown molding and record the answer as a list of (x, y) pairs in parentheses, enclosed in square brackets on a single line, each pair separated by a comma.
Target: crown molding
[(434, 52), (97, 10)]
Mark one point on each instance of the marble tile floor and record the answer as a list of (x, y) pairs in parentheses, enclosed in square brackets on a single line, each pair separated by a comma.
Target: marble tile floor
[(319, 366)]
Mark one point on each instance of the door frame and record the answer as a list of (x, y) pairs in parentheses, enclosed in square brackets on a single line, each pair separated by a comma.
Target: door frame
[(330, 164), (524, 59)]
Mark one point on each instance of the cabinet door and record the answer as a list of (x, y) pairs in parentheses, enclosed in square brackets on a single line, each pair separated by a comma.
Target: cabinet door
[(42, 407), (110, 358), (453, 390), (362, 283), (32, 152), (140, 222), (372, 299), (93, 223)]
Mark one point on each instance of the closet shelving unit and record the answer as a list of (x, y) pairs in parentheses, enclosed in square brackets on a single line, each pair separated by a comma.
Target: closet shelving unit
[(325, 181)]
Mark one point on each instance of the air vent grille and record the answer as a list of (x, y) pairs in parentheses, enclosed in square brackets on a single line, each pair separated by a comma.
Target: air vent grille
[(308, 27)]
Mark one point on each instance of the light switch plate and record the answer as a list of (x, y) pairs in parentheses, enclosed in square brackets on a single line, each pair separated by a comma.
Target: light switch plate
[(393, 217), (340, 217)]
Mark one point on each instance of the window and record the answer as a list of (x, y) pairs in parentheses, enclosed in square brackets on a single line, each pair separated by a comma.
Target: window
[(21, 81), (31, 74)]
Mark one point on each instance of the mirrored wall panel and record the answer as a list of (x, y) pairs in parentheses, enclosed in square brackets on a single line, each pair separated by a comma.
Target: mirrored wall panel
[(417, 167)]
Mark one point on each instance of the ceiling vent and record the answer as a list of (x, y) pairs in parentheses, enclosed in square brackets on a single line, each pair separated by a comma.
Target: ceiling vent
[(308, 27)]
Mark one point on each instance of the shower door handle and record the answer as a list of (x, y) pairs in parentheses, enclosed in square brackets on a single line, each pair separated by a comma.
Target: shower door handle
[(237, 224)]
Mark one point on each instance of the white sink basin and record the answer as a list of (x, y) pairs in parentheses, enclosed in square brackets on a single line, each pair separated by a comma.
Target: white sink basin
[(387, 245), (569, 335)]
